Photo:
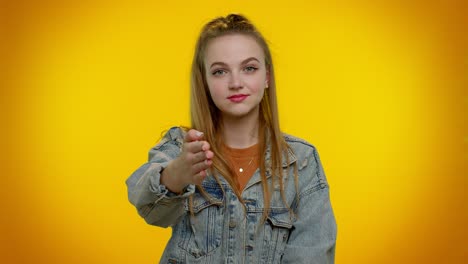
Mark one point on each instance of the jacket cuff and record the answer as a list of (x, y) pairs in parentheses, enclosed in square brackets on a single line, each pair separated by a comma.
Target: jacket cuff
[(161, 190)]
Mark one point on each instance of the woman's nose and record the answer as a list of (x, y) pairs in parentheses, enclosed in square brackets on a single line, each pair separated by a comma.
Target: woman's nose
[(235, 82)]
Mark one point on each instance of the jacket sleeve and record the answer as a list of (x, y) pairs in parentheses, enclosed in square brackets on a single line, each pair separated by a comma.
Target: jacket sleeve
[(313, 237), (153, 201)]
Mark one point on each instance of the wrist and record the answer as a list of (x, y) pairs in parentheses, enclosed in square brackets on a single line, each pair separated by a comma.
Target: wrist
[(170, 181)]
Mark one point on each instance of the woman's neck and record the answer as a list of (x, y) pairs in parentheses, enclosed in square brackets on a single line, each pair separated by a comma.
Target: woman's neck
[(240, 132)]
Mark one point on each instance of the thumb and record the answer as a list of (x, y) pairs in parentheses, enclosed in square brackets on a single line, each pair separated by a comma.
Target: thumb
[(193, 135)]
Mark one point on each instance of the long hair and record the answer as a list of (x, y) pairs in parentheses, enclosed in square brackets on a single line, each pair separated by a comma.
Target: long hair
[(206, 117)]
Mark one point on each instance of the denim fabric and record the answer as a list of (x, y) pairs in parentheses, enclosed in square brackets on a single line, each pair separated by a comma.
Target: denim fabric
[(219, 231)]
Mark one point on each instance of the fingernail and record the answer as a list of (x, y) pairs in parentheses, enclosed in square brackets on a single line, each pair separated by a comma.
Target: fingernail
[(199, 134)]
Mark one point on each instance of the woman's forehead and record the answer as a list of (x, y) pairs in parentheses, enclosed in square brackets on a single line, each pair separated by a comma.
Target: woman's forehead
[(232, 49)]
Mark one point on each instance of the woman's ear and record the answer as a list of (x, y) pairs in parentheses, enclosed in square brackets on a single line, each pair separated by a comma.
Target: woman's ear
[(267, 80)]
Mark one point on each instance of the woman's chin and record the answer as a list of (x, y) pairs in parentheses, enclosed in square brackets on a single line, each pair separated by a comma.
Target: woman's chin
[(240, 114)]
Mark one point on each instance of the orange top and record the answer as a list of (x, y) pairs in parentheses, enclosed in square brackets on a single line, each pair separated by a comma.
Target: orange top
[(244, 163)]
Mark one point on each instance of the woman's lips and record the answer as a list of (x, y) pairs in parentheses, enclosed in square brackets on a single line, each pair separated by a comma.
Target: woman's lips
[(237, 98)]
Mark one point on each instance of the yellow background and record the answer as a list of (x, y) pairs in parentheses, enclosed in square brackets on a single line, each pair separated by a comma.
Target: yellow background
[(88, 87)]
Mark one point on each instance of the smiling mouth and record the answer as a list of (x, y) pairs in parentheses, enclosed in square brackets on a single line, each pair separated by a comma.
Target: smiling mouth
[(237, 97)]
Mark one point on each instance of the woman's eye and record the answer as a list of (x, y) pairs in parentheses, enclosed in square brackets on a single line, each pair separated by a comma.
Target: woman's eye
[(218, 72), (250, 69)]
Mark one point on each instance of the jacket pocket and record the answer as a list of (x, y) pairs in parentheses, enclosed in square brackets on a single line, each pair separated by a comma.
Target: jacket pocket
[(276, 233), (201, 233)]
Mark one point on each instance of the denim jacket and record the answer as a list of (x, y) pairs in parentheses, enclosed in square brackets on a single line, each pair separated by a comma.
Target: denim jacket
[(220, 231)]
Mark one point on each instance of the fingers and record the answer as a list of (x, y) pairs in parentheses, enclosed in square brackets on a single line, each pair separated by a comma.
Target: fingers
[(197, 154), (200, 171), (198, 157), (205, 146), (193, 135), (201, 166), (209, 154), (196, 146), (193, 147)]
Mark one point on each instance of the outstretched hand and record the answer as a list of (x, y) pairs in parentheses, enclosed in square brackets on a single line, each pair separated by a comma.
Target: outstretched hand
[(191, 165)]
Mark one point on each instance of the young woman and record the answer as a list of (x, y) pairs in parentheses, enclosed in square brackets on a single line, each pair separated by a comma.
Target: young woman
[(234, 188)]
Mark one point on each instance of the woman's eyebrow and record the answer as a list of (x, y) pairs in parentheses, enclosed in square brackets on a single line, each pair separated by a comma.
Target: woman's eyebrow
[(243, 62)]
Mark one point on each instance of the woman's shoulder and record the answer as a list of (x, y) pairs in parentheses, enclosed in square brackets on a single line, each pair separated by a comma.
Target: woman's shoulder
[(170, 141), (175, 133), (172, 136), (297, 143), (303, 150), (307, 156)]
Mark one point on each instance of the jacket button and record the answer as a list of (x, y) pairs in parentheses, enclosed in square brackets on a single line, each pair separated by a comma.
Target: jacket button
[(232, 224)]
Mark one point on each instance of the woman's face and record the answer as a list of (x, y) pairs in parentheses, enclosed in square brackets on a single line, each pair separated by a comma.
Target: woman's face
[(236, 74)]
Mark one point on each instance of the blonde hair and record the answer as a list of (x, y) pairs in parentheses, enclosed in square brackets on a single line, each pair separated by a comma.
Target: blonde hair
[(206, 117)]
